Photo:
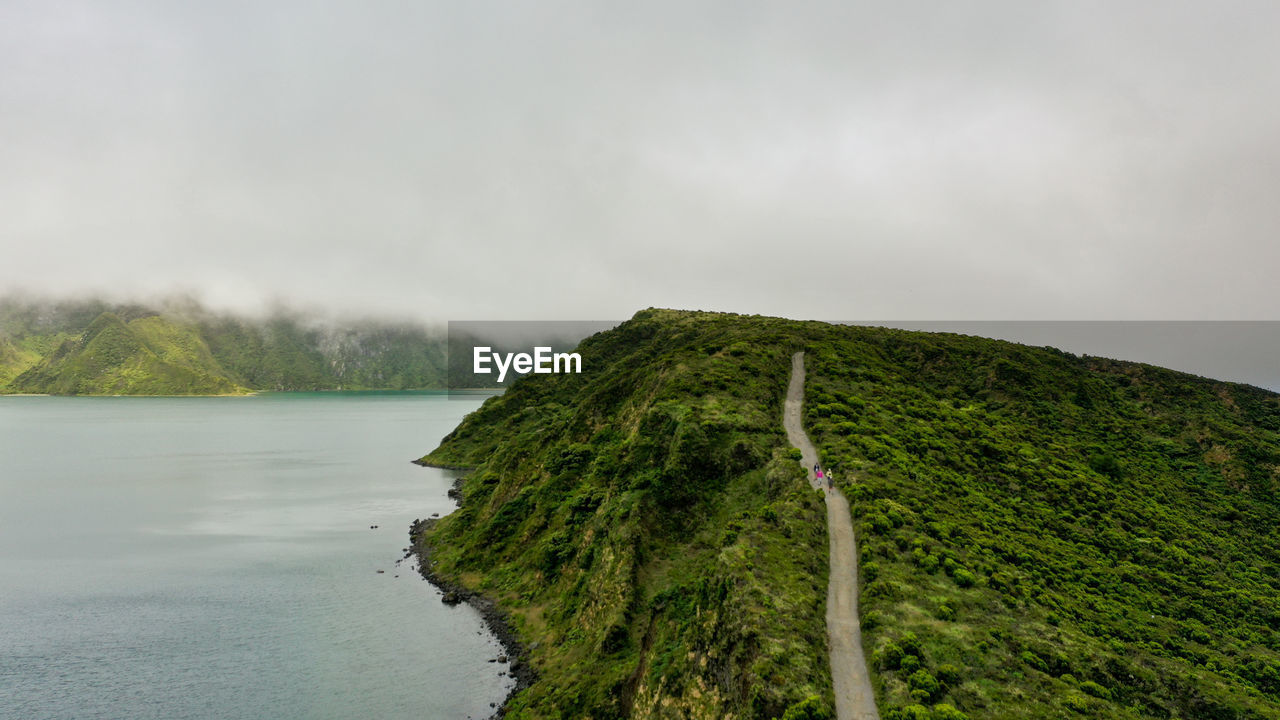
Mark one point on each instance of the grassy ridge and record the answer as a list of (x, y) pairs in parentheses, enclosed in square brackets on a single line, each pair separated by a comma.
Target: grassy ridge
[(645, 527), (14, 360), (1042, 535), (148, 356), (1045, 535), (98, 348)]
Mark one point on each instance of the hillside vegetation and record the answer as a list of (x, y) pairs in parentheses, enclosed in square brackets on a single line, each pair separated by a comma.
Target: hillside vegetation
[(1042, 535), (645, 527), (148, 356), (1045, 535), (95, 348)]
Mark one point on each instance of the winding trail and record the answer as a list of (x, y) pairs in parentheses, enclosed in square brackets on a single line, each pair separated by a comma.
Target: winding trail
[(849, 679)]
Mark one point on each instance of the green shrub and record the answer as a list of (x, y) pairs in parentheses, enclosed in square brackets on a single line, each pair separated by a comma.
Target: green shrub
[(888, 656), (910, 712), (615, 638), (923, 685), (810, 708), (878, 523), (910, 644), (1076, 702), (1033, 660), (1092, 688), (943, 711), (1106, 464)]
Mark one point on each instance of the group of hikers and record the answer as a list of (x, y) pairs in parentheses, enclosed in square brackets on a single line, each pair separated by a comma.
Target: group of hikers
[(820, 475)]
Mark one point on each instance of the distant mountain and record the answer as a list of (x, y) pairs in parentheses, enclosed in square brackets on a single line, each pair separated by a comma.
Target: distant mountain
[(148, 356), (13, 360), (96, 348)]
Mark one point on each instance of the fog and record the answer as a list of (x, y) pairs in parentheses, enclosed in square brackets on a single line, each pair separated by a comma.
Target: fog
[(924, 161)]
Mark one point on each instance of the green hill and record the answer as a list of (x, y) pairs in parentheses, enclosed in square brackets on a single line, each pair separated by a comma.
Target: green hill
[(91, 347), (1042, 535), (1065, 535), (14, 360), (645, 527), (148, 356)]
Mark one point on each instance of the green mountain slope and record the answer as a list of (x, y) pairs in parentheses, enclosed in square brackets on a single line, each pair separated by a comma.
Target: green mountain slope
[(644, 524), (14, 360), (148, 356), (285, 353), (1042, 535), (1062, 535), (185, 349)]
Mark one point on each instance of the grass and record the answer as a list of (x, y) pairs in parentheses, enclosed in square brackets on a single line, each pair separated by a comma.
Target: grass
[(1071, 535), (1041, 535), (649, 512)]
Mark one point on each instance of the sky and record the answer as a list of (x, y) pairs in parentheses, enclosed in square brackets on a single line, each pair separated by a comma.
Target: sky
[(572, 160)]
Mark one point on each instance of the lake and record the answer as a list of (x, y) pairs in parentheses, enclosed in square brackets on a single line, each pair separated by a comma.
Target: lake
[(213, 558)]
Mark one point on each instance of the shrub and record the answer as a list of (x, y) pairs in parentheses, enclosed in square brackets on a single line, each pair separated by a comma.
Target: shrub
[(1076, 702), (1096, 690), (889, 656), (909, 664), (878, 523), (949, 674), (923, 685), (1033, 660), (910, 644), (615, 638), (910, 712), (1106, 464), (873, 620), (943, 711), (964, 578), (810, 708)]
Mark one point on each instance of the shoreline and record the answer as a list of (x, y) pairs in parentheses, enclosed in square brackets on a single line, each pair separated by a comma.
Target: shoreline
[(453, 593), (252, 393)]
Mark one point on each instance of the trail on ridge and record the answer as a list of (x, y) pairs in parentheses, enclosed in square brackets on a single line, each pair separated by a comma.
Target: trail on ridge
[(849, 679)]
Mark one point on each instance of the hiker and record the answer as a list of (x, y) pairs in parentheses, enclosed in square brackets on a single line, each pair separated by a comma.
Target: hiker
[(817, 471), (818, 474), (831, 480)]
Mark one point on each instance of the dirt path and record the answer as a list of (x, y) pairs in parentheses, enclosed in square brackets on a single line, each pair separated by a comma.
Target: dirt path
[(849, 679)]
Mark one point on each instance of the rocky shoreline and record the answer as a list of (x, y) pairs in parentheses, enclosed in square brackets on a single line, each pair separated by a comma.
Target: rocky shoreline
[(453, 593)]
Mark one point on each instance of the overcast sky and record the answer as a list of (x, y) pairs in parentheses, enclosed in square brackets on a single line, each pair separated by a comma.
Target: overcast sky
[(478, 160)]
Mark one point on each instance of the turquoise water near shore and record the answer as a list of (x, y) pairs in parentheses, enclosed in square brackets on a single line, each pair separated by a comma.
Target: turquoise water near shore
[(213, 558)]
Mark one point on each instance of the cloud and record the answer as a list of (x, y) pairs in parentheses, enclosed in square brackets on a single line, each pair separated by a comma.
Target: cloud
[(566, 159)]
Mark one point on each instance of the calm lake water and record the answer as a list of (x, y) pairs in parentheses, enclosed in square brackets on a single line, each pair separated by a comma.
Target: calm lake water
[(212, 558)]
